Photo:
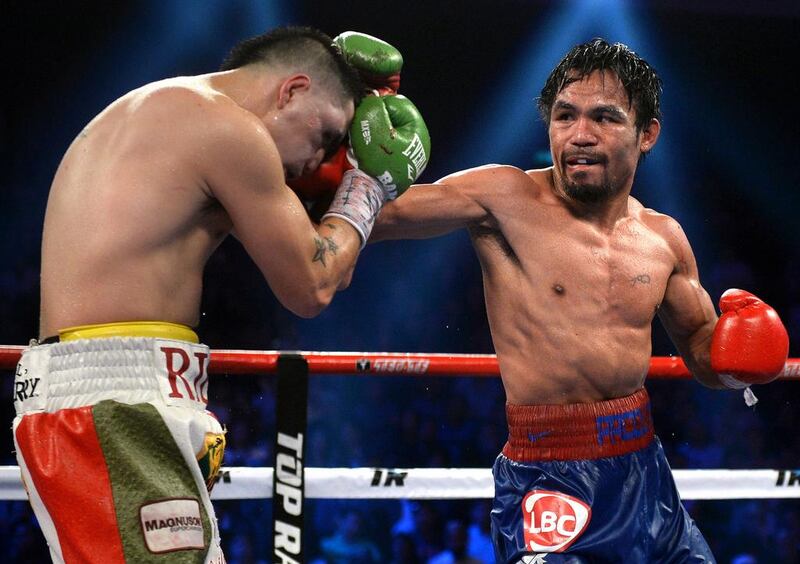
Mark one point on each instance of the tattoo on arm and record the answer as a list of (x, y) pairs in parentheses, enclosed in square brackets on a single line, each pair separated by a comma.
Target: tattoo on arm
[(323, 247), (319, 253), (332, 246), (640, 279)]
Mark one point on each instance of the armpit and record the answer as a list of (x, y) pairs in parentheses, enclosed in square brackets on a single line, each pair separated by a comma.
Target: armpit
[(481, 234)]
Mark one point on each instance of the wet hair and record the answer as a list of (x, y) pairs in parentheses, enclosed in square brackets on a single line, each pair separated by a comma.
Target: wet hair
[(639, 79), (300, 49)]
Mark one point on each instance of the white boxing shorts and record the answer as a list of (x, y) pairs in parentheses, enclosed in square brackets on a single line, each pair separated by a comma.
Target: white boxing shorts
[(117, 450)]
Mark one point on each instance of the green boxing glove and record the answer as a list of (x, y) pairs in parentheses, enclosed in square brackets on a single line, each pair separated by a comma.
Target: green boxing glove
[(390, 147), (390, 142), (377, 62)]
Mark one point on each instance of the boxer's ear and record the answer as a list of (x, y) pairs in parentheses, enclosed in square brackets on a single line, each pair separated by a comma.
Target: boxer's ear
[(291, 86), (649, 135)]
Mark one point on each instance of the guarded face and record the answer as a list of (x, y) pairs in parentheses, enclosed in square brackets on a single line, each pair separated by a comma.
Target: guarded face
[(593, 139), (307, 129)]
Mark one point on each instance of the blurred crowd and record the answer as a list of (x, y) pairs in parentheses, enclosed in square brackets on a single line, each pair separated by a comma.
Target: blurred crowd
[(415, 421)]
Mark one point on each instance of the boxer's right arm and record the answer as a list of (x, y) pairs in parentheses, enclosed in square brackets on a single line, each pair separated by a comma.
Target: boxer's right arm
[(454, 202), (303, 264)]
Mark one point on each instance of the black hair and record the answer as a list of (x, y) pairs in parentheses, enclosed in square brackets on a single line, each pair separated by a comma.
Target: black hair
[(639, 79), (300, 49)]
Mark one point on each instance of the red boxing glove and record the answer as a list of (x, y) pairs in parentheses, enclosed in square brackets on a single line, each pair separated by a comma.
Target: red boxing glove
[(325, 180), (750, 343), (383, 85)]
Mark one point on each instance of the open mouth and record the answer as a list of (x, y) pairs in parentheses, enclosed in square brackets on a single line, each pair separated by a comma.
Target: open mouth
[(582, 161)]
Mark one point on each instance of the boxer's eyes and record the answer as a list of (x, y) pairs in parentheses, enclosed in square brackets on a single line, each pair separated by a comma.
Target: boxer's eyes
[(331, 140)]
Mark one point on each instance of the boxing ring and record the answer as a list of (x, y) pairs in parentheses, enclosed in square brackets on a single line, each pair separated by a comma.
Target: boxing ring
[(293, 481)]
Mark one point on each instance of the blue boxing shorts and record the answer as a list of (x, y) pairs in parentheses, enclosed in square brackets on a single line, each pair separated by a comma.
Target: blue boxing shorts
[(589, 483)]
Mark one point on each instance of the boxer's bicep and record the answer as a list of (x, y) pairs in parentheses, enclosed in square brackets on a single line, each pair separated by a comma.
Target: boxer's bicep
[(427, 210), (687, 312), (456, 201)]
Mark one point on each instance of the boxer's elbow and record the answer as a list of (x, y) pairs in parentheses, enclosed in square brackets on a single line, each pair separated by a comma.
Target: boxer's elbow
[(309, 291), (699, 365), (310, 302), (708, 378)]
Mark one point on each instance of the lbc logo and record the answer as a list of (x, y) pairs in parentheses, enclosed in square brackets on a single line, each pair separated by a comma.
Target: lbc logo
[(553, 520)]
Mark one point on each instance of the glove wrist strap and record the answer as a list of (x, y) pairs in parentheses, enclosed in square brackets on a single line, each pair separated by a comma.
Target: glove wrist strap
[(358, 201), (729, 381)]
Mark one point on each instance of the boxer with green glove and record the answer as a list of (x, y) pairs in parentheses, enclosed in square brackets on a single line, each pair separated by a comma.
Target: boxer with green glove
[(390, 143), (378, 64)]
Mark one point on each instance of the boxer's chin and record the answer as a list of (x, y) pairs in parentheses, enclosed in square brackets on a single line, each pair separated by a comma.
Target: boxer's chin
[(588, 193)]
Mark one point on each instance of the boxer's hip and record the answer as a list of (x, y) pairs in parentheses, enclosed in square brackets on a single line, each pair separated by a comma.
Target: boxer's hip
[(126, 362), (112, 439)]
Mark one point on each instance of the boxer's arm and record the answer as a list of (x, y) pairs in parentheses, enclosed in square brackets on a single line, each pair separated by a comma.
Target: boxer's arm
[(429, 210), (303, 264), (687, 311)]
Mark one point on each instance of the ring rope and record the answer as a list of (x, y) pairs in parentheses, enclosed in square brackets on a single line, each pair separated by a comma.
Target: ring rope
[(430, 364), (427, 483), (452, 483)]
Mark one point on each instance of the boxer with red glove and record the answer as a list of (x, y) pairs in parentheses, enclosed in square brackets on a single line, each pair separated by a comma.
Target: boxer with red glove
[(379, 65), (749, 345)]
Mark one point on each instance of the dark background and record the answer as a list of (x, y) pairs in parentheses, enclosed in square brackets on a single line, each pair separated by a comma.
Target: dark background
[(726, 167)]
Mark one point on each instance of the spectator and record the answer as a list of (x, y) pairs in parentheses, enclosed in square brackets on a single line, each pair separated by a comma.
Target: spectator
[(456, 541), (348, 545)]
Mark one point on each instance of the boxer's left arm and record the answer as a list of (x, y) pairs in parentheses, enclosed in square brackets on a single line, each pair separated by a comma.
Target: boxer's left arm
[(304, 264), (687, 311), (747, 345)]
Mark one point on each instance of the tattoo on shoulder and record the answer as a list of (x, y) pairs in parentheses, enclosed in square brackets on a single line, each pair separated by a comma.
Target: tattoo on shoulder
[(640, 279), (324, 246)]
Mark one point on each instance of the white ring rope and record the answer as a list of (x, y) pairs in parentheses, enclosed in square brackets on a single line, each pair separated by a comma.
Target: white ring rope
[(451, 483)]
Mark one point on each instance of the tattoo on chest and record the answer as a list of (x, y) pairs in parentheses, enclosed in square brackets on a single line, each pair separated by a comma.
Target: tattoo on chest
[(324, 246), (640, 279)]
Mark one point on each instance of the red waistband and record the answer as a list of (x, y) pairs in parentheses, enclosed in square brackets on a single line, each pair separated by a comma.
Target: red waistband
[(579, 431)]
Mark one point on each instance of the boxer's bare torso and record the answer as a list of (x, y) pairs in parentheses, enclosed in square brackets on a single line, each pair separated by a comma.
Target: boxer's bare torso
[(135, 207), (574, 269), (130, 222), (570, 303)]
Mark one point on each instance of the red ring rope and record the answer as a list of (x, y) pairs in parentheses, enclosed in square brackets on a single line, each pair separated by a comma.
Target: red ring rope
[(265, 362)]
